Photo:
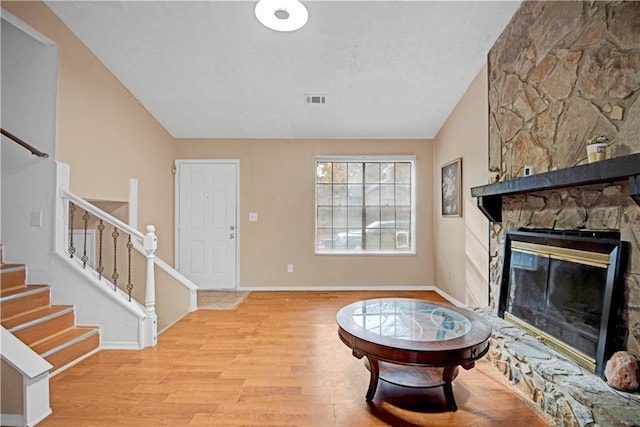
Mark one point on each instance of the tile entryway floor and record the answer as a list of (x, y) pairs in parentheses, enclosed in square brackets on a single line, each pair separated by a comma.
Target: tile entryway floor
[(220, 300)]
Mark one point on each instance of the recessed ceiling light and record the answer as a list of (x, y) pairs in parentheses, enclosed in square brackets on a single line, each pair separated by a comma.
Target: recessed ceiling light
[(282, 15)]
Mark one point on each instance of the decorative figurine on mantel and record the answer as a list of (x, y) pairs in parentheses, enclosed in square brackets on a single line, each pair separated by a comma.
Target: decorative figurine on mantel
[(597, 148), (494, 175)]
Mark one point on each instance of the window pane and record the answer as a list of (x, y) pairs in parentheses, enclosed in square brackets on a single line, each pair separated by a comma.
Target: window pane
[(387, 172), (403, 195), (403, 215), (354, 239), (388, 217), (323, 173), (324, 193), (355, 217), (339, 195), (339, 217), (354, 197), (372, 172), (373, 239), (325, 239), (403, 173), (402, 239), (339, 238), (372, 216), (387, 196), (364, 206), (387, 239), (324, 217), (340, 172), (372, 195), (355, 172)]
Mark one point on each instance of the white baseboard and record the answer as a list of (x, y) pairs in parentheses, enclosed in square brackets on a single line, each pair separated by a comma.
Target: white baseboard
[(119, 345), (334, 288), (11, 420), (41, 417), (448, 297), (337, 288)]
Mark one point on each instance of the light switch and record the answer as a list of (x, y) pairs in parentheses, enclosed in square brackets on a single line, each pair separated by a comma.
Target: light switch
[(36, 219), (253, 216)]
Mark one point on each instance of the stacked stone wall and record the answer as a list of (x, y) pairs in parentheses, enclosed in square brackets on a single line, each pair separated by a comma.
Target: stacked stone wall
[(559, 73)]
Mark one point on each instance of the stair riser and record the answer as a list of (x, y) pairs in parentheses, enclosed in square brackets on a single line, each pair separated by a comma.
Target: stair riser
[(45, 329), (12, 279), (73, 352), (17, 306)]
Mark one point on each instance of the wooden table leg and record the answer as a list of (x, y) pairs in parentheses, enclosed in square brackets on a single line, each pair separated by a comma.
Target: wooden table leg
[(447, 377), (373, 382)]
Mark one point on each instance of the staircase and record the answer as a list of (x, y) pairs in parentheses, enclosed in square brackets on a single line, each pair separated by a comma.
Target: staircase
[(49, 330)]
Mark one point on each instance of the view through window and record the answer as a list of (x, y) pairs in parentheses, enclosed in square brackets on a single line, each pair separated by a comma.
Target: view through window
[(365, 205)]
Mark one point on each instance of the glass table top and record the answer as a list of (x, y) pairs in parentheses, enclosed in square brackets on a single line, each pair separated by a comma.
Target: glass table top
[(411, 320)]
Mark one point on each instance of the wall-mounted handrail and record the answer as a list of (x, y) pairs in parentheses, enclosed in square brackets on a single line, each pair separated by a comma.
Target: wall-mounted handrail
[(26, 145)]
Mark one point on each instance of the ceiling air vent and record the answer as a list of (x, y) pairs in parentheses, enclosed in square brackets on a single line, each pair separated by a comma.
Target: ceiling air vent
[(315, 99)]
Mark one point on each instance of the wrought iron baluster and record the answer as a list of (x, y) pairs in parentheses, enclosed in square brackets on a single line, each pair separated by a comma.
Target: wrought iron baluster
[(72, 210), (129, 283), (85, 258), (100, 268), (115, 275)]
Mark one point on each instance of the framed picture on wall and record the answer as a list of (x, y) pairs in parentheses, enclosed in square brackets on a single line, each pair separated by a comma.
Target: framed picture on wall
[(451, 175)]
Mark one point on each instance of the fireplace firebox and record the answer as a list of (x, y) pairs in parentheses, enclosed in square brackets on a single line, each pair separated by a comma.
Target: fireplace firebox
[(566, 288)]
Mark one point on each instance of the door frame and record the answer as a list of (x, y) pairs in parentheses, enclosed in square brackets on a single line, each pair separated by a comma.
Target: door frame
[(176, 203)]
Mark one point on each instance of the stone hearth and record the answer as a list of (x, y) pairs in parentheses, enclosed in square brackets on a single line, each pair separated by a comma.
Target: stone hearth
[(570, 394)]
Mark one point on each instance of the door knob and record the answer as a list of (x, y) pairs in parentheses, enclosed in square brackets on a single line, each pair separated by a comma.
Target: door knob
[(231, 236), (232, 228)]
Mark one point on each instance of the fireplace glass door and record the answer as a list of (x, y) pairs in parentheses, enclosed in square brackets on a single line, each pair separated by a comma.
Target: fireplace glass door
[(560, 297), (566, 291)]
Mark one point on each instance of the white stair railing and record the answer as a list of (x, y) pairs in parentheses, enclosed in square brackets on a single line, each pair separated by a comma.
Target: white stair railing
[(120, 330), (148, 243), (144, 244)]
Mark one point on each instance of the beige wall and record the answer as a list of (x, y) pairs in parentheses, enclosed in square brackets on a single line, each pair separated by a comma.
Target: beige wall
[(103, 132), (107, 137), (97, 118), (277, 181), (464, 241)]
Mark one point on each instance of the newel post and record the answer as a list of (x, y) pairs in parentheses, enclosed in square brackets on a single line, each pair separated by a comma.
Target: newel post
[(150, 244)]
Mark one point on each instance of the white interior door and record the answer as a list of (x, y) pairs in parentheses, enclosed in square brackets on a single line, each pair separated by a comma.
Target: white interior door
[(206, 218)]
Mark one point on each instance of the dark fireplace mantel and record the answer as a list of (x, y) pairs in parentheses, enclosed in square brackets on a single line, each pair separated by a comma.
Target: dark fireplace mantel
[(489, 197)]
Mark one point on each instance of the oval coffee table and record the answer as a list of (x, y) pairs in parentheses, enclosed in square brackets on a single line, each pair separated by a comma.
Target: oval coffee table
[(412, 342)]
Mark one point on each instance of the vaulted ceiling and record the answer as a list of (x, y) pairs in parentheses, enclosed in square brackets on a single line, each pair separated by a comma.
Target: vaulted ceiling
[(209, 69)]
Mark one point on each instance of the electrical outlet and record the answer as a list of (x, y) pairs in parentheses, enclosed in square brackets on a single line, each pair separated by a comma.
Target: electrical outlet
[(253, 216), (289, 268)]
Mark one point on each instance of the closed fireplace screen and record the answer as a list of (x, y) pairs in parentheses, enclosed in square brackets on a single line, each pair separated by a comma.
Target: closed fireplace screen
[(564, 290)]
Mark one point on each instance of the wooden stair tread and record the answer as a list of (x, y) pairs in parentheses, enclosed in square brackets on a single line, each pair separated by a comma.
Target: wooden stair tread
[(12, 276), (15, 291), (11, 267), (49, 330), (34, 315), (62, 338)]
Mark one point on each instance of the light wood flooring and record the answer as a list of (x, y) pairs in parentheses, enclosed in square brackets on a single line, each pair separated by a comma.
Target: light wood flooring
[(274, 360)]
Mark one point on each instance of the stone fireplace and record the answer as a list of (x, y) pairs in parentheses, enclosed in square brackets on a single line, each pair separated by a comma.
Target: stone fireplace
[(570, 393), (559, 73), (565, 288)]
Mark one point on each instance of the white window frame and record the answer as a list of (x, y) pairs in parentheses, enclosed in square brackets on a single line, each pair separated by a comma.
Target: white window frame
[(367, 158)]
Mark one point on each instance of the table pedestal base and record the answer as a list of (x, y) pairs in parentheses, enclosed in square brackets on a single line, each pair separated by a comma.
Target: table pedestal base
[(414, 377)]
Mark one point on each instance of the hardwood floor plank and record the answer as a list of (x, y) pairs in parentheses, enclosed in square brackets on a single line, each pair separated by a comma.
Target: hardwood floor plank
[(276, 359)]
